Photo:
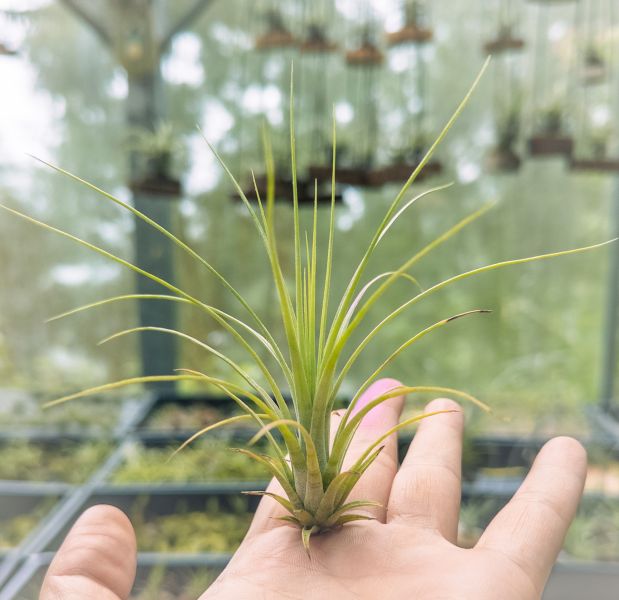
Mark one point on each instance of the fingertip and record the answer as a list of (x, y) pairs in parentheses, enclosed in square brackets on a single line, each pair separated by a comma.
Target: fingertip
[(565, 450), (111, 518), (443, 404), (99, 551)]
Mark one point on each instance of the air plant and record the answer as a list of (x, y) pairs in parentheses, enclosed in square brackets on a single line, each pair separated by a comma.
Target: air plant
[(157, 150), (551, 119), (598, 140), (316, 356)]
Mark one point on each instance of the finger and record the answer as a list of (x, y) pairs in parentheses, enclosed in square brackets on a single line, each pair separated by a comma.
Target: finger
[(269, 510), (375, 483), (530, 530), (426, 489), (96, 560)]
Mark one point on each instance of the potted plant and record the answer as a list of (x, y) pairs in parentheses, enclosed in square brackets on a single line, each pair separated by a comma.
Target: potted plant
[(277, 36), (504, 41), (318, 350), (405, 159), (594, 69), (158, 152), (595, 156), (317, 40), (415, 30), (367, 54), (503, 156), (551, 138)]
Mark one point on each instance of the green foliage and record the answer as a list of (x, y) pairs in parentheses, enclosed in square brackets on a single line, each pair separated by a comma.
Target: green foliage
[(186, 417), (593, 533), (69, 462), (209, 461), (210, 530), (161, 151), (20, 409), (164, 583), (15, 529)]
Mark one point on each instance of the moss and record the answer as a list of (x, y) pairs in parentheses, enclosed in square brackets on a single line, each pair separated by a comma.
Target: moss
[(209, 461), (69, 462)]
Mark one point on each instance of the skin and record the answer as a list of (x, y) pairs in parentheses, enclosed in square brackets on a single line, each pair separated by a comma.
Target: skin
[(408, 552)]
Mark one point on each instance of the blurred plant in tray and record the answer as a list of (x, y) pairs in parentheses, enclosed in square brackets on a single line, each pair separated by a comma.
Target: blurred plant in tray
[(209, 461), (65, 462)]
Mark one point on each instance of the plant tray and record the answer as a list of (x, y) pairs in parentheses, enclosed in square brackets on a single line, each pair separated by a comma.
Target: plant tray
[(276, 39), (27, 582), (550, 145), (410, 34), (208, 460), (147, 505), (33, 461)]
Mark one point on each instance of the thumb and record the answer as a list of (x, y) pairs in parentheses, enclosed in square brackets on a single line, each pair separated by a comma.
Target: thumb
[(96, 560)]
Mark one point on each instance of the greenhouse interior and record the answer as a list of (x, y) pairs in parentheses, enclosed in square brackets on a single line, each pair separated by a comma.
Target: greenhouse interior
[(235, 212)]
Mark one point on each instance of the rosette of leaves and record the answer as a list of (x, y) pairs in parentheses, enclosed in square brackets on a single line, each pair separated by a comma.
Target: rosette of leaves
[(316, 356), (160, 152)]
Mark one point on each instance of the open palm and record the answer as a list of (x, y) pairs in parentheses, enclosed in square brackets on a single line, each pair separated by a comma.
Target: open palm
[(408, 552)]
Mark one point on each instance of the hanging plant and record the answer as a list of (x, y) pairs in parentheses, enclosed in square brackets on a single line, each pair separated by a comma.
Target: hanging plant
[(367, 54), (316, 40), (160, 155), (596, 155), (277, 36), (320, 348), (414, 30), (594, 70), (503, 157), (505, 41), (598, 141), (551, 137), (405, 159)]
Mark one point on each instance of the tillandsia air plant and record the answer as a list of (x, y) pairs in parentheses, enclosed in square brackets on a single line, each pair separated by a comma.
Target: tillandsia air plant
[(315, 358)]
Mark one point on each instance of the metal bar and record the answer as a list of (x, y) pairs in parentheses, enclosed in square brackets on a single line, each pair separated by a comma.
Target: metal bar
[(611, 322)]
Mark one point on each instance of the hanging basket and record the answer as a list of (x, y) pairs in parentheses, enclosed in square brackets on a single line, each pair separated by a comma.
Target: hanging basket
[(283, 191), (505, 42), (411, 33), (317, 41), (275, 39), (545, 144), (594, 71), (165, 187), (360, 176), (367, 55), (601, 164), (400, 172), (503, 160)]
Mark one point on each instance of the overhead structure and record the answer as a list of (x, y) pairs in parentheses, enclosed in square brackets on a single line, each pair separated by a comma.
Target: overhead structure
[(507, 82), (595, 89), (410, 44), (319, 55), (551, 107)]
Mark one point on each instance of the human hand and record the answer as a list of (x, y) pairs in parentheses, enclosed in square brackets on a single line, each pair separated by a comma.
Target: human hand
[(409, 551)]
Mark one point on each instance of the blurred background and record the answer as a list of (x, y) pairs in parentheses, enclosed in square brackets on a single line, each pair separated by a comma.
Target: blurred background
[(112, 91)]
